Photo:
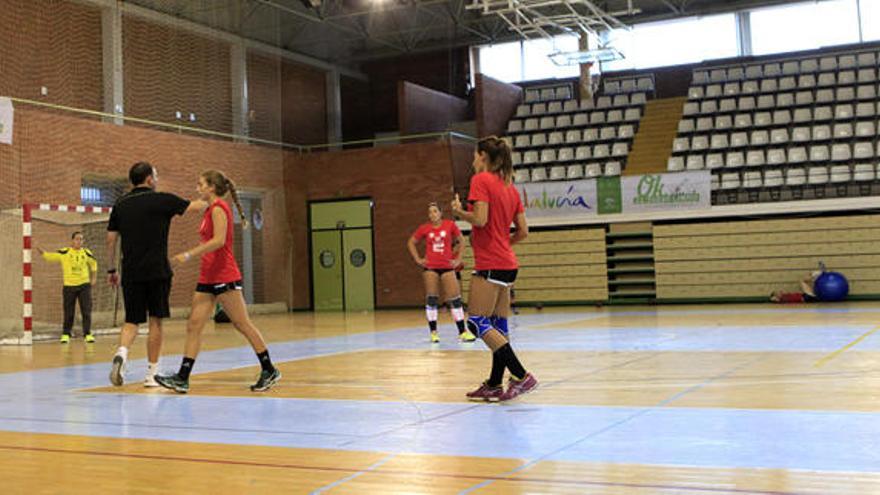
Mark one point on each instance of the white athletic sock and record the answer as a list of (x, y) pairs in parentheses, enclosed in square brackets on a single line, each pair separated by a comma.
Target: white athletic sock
[(458, 314), (431, 313), (152, 369), (122, 351)]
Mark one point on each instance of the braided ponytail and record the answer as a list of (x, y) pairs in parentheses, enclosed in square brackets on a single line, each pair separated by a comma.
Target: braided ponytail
[(222, 185)]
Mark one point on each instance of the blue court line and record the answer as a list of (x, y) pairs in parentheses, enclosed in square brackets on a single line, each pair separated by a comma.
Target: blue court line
[(373, 467)]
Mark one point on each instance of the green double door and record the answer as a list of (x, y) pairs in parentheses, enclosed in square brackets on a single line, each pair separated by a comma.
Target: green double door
[(342, 255)]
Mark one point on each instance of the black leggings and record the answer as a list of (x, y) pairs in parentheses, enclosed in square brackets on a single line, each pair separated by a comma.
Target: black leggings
[(71, 294)]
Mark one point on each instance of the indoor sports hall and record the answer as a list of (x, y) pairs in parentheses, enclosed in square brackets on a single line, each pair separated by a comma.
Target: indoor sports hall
[(440, 247)]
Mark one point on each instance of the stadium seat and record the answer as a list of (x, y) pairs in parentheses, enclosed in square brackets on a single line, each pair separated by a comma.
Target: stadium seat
[(675, 164), (827, 79), (800, 134), (531, 125), (516, 158), (787, 84), (612, 87), (532, 95), (548, 156), (863, 172), (828, 64), (843, 131), (845, 94), (817, 175), (704, 124), (802, 116), (681, 144), (769, 85), (749, 87), (718, 75), (867, 59), (866, 92), (766, 101), (591, 135), (514, 126), (601, 151), (723, 122), (754, 72), (645, 84), (846, 62), (825, 96), (612, 169), (563, 93), (573, 136), (779, 136), (603, 102), (714, 161), (638, 99), (791, 68), (615, 116), (776, 156), (755, 158), (597, 117), (841, 153), (736, 74), (806, 81), (772, 70), (821, 133), (809, 65), (530, 157), (593, 170), (539, 109), (565, 155), (628, 86), (554, 107), (773, 178), (619, 149), (781, 118), (583, 153), (714, 91), (709, 107), (822, 114), (739, 140), (785, 100), (608, 134), (843, 112), (620, 101), (691, 108), (867, 76), (626, 132), (752, 180), (588, 104), (743, 121), (558, 173), (570, 106), (695, 162), (523, 110), (539, 174), (522, 175), (866, 109), (547, 94), (759, 138), (555, 138), (840, 174), (686, 126), (522, 141), (866, 129), (719, 142), (863, 151), (846, 78), (632, 114), (795, 177), (700, 143), (727, 105), (735, 159), (547, 123), (819, 154), (539, 140), (730, 181), (804, 98), (581, 119), (575, 172), (797, 154)]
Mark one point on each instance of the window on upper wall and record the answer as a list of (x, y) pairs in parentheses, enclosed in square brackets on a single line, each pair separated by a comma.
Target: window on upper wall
[(870, 20), (660, 44), (805, 26), (101, 191), (502, 61), (536, 58)]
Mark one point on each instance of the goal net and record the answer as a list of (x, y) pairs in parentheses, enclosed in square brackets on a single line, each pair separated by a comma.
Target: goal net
[(31, 293)]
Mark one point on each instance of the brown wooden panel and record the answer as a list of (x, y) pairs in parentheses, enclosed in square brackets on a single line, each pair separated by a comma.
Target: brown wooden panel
[(776, 225)]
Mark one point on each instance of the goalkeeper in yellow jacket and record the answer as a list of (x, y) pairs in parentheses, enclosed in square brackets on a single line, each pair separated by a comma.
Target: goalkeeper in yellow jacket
[(80, 270)]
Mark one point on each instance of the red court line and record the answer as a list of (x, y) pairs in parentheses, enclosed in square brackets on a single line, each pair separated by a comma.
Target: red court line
[(230, 462)]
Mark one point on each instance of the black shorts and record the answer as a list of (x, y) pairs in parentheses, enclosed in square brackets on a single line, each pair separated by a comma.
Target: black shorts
[(498, 277), (438, 271), (149, 296), (217, 289)]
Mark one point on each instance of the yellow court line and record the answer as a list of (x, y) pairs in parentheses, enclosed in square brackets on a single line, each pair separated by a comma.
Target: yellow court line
[(843, 349)]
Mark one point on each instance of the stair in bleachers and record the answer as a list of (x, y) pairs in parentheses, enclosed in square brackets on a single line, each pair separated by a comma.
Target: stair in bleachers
[(630, 262), (653, 143)]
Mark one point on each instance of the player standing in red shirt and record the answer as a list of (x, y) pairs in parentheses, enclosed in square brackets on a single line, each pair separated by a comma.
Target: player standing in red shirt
[(219, 280), (443, 243), (495, 205)]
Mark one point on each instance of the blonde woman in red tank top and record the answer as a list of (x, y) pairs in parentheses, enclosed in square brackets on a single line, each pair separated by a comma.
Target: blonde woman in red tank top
[(219, 280)]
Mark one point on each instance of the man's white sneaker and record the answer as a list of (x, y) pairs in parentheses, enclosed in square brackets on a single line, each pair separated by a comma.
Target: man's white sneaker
[(150, 381)]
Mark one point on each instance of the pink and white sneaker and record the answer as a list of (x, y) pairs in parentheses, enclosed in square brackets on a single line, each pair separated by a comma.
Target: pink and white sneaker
[(486, 393), (516, 388)]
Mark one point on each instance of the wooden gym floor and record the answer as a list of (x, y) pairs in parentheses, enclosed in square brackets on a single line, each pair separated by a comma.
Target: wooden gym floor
[(668, 400)]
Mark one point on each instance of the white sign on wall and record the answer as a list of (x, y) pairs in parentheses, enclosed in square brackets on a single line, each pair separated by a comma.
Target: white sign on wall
[(6, 118), (558, 199), (677, 191)]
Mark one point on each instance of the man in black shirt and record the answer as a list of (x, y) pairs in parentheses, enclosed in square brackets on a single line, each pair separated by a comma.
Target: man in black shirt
[(142, 217)]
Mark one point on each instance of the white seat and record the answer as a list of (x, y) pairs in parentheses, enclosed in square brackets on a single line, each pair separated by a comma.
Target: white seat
[(570, 106), (601, 151), (603, 102), (615, 116), (843, 131), (776, 156), (539, 174), (739, 140), (841, 153), (863, 172), (772, 70), (800, 135), (626, 132), (675, 164), (784, 100), (718, 75), (554, 107), (795, 177), (539, 109), (588, 104), (708, 107), (727, 105), (714, 160), (686, 126), (863, 151), (843, 112), (532, 95), (530, 157), (821, 133), (516, 158), (809, 65), (736, 74), (779, 136), (742, 120), (531, 125), (787, 84), (563, 121), (591, 135), (565, 155), (807, 81), (797, 154), (846, 78), (719, 142), (597, 117), (547, 123), (866, 76), (574, 171), (620, 101), (760, 138), (581, 119), (522, 141), (781, 118), (583, 153), (866, 109), (791, 68), (612, 169), (752, 180), (593, 170), (766, 101), (555, 138), (731, 89), (754, 72), (840, 174), (723, 122), (845, 94), (638, 99), (548, 156), (828, 63), (607, 133), (735, 159), (769, 86), (704, 124), (627, 86), (522, 175), (681, 144), (612, 87), (714, 91), (558, 173), (563, 93), (700, 143), (523, 110), (866, 59), (802, 115), (804, 98), (730, 181), (817, 175), (691, 108), (573, 136), (620, 149), (645, 84), (866, 92), (827, 79), (819, 154), (755, 158), (514, 126), (695, 162), (750, 87), (763, 119), (822, 113), (846, 62), (825, 96), (866, 129), (539, 140), (773, 178), (632, 114), (547, 94)]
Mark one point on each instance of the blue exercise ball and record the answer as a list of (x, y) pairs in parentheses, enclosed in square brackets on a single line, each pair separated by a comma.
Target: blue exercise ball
[(831, 287)]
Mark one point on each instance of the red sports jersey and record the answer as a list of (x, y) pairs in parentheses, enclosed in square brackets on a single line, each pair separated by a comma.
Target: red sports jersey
[(491, 243), (218, 266), (438, 243)]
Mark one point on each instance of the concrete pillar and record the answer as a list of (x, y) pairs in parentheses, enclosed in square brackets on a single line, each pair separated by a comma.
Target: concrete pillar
[(586, 80), (334, 107), (111, 37), (238, 74)]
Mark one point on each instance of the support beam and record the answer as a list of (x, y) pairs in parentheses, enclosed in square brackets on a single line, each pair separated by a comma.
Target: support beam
[(334, 107), (744, 33), (239, 84), (111, 39)]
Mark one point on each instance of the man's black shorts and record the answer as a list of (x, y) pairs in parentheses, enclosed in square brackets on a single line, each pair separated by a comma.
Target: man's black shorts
[(143, 297)]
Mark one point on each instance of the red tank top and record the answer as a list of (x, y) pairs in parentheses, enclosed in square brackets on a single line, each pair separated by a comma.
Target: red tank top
[(218, 267)]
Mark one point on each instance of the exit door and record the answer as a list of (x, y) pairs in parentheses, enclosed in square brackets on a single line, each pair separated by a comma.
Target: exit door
[(342, 255)]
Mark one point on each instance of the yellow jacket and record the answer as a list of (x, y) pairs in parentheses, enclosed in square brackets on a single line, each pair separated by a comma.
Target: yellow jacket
[(75, 263)]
